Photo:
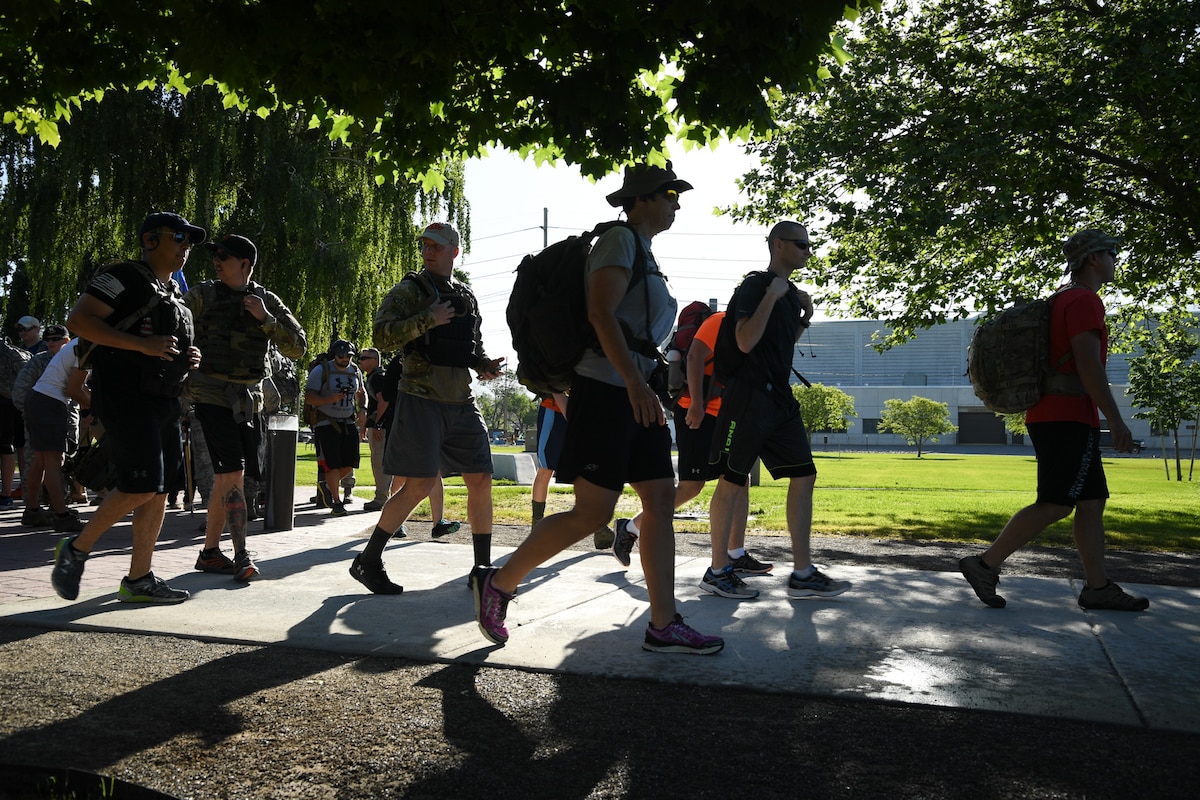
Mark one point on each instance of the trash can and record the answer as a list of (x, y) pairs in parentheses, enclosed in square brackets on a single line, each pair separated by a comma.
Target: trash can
[(282, 433)]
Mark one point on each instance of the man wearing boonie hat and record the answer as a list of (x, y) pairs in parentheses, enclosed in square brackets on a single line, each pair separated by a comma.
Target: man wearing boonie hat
[(617, 430), (237, 321), (436, 425), (1065, 431), (143, 349)]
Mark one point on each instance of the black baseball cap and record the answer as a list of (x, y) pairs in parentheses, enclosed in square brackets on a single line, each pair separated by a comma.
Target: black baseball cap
[(169, 219)]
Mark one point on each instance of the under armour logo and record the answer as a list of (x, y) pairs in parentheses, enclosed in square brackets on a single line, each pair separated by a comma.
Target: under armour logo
[(140, 473)]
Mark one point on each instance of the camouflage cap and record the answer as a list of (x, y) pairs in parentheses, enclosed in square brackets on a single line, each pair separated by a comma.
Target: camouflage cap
[(1086, 242)]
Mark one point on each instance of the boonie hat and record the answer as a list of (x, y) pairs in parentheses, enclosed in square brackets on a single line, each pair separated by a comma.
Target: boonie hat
[(53, 333), (643, 179), (169, 219), (441, 233), (341, 348), (1086, 242), (28, 322), (239, 246)]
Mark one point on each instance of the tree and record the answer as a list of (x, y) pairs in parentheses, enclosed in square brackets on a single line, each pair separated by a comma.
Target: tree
[(948, 159), (917, 420), (595, 83), (824, 408), (506, 406), (331, 240), (1164, 378)]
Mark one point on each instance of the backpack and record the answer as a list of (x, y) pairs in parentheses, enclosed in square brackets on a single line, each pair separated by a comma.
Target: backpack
[(312, 414), (84, 349), (12, 359), (1008, 360), (690, 319), (547, 311)]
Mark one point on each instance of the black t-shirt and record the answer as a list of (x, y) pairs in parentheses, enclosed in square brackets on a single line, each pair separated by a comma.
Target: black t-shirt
[(117, 373), (374, 387), (770, 362)]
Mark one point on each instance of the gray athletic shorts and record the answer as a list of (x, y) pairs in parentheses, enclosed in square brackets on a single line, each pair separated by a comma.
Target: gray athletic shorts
[(429, 437)]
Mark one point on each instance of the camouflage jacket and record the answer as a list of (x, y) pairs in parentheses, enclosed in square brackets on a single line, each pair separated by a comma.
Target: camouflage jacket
[(405, 317), (233, 344)]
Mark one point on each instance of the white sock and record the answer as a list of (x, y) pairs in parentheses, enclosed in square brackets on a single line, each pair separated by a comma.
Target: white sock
[(741, 551), (632, 528), (803, 574)]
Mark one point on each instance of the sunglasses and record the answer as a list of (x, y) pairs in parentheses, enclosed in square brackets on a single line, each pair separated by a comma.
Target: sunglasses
[(179, 237), (803, 244), (224, 255), (24, 330), (671, 195)]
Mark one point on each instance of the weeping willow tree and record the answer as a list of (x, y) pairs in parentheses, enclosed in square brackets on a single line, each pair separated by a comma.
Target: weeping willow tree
[(331, 238)]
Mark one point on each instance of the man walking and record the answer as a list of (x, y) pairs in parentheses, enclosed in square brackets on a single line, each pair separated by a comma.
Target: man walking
[(437, 428), (143, 348), (237, 321), (759, 417), (1065, 431), (374, 373), (335, 388)]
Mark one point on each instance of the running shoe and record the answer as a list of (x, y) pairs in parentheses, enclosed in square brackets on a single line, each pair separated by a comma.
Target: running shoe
[(445, 528), (372, 505), (491, 605), (623, 541), (68, 568), (746, 564), (1111, 597), (679, 637), (816, 585), (338, 509), (5, 501), (243, 567), (37, 517), (726, 583), (215, 561), (150, 589), (67, 523), (401, 532), (983, 580), (373, 576)]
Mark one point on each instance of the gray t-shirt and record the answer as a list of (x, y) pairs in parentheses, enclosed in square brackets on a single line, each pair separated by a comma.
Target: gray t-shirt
[(617, 247)]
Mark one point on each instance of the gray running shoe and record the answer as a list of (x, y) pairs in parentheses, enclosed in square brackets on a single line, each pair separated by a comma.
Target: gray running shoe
[(623, 541), (150, 589), (816, 585), (68, 568), (747, 564), (726, 583), (1111, 597), (983, 580), (244, 569), (445, 528)]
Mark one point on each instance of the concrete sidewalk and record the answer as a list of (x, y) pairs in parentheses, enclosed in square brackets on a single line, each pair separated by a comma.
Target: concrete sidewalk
[(897, 635)]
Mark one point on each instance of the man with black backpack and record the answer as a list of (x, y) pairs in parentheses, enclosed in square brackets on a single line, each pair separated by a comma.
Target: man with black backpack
[(237, 322), (437, 427), (759, 417), (1065, 431), (141, 338), (335, 388), (617, 430)]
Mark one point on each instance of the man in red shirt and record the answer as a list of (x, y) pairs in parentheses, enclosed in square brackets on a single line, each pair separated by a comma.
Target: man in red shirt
[(1065, 431)]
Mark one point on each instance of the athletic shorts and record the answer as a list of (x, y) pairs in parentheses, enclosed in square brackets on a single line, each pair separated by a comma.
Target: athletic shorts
[(551, 431), (232, 447), (51, 428), (756, 424), (605, 445), (338, 442), (147, 445), (694, 447), (12, 427), (429, 437), (1069, 467)]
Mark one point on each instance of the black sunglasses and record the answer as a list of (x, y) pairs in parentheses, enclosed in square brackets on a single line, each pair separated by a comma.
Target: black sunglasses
[(179, 237), (803, 244)]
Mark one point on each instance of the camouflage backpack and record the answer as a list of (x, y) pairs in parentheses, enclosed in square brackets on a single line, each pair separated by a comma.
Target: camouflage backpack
[(11, 361), (1008, 360)]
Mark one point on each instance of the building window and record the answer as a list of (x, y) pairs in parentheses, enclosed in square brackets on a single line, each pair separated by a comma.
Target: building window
[(870, 426)]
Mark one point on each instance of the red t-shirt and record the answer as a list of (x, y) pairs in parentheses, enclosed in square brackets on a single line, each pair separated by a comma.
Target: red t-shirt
[(1072, 312), (707, 333)]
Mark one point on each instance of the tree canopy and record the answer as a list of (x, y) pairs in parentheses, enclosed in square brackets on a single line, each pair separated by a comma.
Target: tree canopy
[(943, 165), (331, 239), (595, 83), (917, 419)]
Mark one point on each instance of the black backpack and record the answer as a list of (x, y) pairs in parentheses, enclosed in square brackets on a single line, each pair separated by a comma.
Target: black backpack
[(547, 311)]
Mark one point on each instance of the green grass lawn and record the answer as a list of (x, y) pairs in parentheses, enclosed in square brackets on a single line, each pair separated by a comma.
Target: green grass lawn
[(941, 496)]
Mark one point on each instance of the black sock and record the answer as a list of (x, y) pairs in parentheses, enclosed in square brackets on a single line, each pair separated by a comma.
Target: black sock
[(539, 510), (482, 542), (374, 549), (986, 564)]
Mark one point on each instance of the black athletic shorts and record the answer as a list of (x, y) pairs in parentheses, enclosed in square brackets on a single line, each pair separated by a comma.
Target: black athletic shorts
[(231, 446), (757, 424), (147, 445), (694, 447), (1069, 466), (339, 443), (605, 445)]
